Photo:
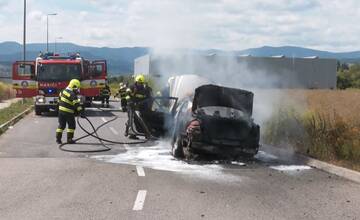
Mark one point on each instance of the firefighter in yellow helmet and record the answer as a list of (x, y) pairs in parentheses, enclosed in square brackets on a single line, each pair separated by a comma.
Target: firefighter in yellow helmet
[(139, 99), (105, 95), (69, 105), (123, 93)]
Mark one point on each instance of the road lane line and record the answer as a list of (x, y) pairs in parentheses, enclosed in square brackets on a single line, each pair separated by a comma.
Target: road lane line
[(114, 131), (104, 119), (140, 171), (140, 200)]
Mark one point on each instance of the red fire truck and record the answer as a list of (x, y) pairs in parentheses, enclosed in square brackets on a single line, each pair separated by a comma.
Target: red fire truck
[(50, 73)]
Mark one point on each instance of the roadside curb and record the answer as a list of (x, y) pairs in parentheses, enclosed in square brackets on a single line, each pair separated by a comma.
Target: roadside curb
[(15, 119), (333, 169), (345, 173)]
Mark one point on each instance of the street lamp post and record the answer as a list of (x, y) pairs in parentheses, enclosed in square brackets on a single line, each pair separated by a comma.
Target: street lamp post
[(47, 30), (24, 33), (57, 38)]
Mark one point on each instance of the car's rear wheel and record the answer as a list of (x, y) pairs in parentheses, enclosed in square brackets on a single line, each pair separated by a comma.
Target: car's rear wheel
[(186, 149), (177, 147), (37, 110)]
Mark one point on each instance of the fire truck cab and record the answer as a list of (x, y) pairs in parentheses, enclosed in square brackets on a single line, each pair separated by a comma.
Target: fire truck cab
[(45, 77)]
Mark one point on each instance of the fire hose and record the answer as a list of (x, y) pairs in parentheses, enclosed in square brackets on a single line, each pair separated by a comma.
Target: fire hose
[(104, 141)]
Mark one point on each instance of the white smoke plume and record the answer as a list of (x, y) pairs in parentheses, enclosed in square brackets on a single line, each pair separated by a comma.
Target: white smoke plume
[(224, 70)]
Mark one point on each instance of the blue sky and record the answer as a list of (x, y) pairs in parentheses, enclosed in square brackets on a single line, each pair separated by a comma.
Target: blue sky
[(222, 24)]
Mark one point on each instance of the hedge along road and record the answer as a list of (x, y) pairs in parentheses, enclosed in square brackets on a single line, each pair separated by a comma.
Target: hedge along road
[(38, 181)]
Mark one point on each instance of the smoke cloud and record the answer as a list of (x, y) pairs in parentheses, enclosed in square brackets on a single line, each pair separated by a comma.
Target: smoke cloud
[(226, 70)]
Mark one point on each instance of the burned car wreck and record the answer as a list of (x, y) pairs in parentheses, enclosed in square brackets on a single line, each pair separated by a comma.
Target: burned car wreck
[(216, 120)]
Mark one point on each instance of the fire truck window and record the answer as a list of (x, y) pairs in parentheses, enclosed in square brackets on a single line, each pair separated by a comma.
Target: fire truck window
[(25, 70), (96, 70), (58, 72)]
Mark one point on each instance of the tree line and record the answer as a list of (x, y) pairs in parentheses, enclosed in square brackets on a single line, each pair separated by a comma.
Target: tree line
[(348, 75)]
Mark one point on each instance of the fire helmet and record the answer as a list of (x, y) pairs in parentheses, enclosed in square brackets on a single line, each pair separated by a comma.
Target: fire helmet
[(74, 84), (140, 79)]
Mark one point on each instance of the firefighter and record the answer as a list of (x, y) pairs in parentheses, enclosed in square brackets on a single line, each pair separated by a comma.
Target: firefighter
[(122, 93), (138, 99), (105, 95), (69, 105)]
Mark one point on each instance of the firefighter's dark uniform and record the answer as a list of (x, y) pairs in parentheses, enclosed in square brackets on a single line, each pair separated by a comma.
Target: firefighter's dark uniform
[(138, 99), (122, 92), (69, 105), (105, 95)]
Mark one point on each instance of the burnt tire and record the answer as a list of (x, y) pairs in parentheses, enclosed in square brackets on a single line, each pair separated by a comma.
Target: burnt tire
[(177, 147), (186, 149)]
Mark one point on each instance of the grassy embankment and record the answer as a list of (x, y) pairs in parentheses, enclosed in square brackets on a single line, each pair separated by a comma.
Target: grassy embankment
[(6, 92), (13, 110), (326, 126)]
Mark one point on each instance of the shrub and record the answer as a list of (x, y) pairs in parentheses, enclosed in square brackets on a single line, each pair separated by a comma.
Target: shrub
[(6, 92)]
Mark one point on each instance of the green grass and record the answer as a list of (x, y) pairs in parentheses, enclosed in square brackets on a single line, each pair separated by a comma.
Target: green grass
[(14, 109)]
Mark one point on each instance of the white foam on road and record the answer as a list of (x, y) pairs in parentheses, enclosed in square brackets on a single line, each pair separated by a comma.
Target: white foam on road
[(291, 168), (265, 157), (159, 158)]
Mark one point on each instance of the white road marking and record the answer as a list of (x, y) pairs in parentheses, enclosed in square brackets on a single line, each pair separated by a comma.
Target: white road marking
[(140, 200), (104, 119), (114, 131), (140, 171)]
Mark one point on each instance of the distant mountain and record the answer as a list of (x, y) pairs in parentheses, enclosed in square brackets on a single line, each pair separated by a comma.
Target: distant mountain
[(121, 60), (290, 51)]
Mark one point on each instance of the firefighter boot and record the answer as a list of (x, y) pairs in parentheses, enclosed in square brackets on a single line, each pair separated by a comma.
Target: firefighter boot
[(70, 137), (58, 137), (133, 137), (126, 130)]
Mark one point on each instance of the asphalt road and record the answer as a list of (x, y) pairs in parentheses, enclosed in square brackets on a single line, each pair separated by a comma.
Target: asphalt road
[(38, 181)]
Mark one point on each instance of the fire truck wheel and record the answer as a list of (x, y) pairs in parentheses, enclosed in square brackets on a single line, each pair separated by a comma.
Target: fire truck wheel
[(37, 110)]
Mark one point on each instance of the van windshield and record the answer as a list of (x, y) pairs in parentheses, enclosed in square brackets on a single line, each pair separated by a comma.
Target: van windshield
[(58, 72)]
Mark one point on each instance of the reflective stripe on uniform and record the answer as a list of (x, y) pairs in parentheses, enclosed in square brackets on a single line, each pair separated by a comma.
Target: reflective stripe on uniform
[(139, 96), (59, 130), (67, 100), (79, 108), (69, 130), (64, 109), (77, 101), (127, 97), (66, 93)]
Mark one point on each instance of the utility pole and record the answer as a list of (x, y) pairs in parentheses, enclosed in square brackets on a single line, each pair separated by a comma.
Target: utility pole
[(56, 42), (47, 30), (24, 33)]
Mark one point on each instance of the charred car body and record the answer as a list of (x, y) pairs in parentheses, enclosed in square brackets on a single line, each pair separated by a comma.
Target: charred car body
[(202, 118), (217, 120)]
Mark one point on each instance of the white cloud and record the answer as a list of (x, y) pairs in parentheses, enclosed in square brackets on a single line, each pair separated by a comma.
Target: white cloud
[(224, 24)]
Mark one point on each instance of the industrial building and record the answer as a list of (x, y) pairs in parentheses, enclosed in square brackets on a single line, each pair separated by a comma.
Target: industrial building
[(248, 71)]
